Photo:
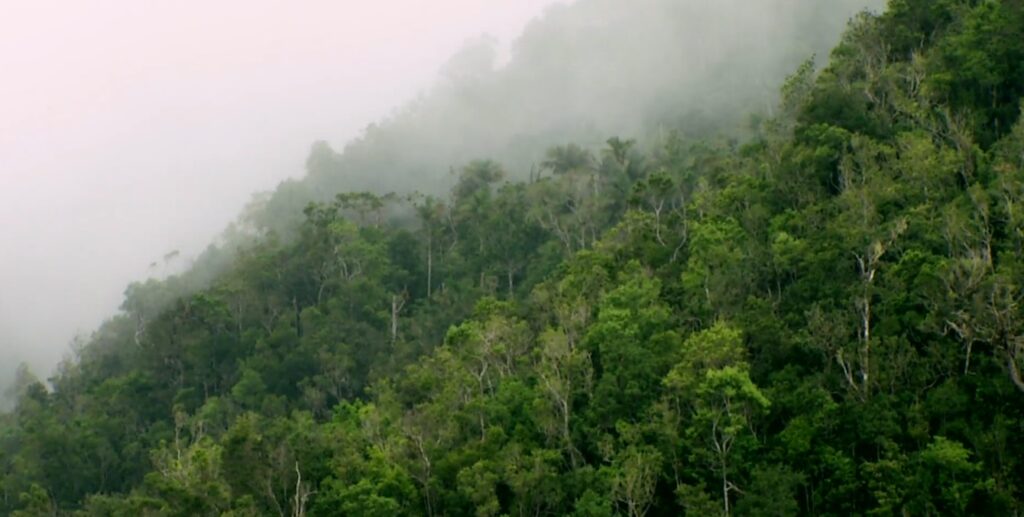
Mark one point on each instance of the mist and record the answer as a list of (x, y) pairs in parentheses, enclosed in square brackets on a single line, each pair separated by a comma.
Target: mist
[(129, 131), (132, 136), (584, 72)]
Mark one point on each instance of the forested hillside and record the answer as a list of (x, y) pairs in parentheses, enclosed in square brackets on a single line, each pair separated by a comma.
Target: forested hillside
[(581, 73), (820, 317)]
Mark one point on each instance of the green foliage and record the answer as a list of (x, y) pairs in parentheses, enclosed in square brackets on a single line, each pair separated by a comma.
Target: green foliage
[(823, 320)]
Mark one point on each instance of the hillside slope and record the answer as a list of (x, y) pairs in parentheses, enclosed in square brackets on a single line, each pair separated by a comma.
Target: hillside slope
[(823, 320)]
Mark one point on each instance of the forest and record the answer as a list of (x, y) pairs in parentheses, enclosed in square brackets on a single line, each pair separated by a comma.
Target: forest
[(821, 315)]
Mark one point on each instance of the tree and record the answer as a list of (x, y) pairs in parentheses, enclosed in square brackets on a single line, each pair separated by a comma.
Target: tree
[(711, 382), (632, 346)]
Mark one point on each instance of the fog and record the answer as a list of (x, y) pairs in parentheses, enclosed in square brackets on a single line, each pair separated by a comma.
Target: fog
[(130, 131), (584, 72)]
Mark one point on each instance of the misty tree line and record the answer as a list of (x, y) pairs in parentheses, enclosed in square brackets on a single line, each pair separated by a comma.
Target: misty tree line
[(823, 319)]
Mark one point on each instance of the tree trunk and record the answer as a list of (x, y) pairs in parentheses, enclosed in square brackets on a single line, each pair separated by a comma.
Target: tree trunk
[(397, 303), (725, 489), (430, 265), (1015, 376)]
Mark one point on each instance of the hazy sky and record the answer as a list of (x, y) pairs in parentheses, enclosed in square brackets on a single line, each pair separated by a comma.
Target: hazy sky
[(130, 128)]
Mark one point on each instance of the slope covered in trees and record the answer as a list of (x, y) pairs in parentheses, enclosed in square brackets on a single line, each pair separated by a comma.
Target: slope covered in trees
[(580, 73), (823, 320)]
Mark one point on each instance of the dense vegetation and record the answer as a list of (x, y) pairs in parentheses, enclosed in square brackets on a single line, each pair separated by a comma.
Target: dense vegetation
[(824, 319)]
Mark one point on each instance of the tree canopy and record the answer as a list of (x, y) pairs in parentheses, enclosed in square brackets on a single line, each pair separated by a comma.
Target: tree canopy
[(824, 318)]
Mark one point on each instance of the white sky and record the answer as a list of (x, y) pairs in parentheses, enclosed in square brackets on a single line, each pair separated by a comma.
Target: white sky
[(130, 128)]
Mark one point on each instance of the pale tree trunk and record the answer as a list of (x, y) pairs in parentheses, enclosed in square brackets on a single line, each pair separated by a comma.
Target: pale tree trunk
[(430, 265), (510, 274), (397, 303), (302, 494), (1015, 375)]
